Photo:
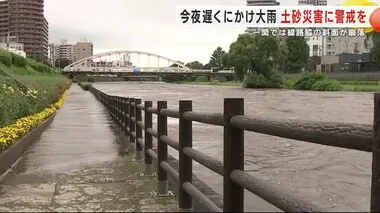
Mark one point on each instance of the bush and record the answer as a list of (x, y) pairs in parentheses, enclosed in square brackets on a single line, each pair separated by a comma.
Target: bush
[(307, 80), (327, 85), (255, 80), (18, 60), (91, 79), (288, 84), (318, 82), (173, 78), (85, 85), (5, 57), (201, 79)]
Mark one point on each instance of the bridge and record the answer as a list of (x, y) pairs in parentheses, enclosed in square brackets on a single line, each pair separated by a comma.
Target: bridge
[(126, 63)]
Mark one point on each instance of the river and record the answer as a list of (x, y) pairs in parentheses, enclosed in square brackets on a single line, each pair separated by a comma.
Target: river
[(333, 178)]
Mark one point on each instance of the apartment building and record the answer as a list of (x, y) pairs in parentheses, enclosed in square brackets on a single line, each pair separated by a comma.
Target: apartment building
[(53, 53), (78, 51), (65, 50), (316, 43), (25, 19), (82, 50), (4, 17), (346, 44)]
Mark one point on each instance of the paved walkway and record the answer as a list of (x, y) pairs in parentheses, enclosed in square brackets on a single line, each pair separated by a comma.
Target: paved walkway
[(79, 164)]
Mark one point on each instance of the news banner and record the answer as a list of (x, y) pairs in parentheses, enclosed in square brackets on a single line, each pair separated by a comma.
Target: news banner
[(307, 21)]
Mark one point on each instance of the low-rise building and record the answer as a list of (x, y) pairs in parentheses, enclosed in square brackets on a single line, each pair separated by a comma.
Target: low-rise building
[(82, 50), (11, 44)]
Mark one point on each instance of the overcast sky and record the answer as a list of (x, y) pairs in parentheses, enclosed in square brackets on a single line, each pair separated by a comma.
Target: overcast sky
[(145, 25)]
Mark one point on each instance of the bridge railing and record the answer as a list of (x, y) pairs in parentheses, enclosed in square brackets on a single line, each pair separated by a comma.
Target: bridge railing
[(128, 114)]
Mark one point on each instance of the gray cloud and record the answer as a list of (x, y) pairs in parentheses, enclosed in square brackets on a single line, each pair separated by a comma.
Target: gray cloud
[(146, 25)]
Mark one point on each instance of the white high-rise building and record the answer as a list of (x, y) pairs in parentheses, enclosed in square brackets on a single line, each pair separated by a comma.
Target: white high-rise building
[(316, 43), (53, 53), (347, 44)]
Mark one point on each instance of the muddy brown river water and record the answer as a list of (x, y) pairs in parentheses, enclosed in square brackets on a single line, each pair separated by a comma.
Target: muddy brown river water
[(336, 179)]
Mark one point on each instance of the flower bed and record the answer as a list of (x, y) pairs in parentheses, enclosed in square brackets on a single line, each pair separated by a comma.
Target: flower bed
[(11, 133)]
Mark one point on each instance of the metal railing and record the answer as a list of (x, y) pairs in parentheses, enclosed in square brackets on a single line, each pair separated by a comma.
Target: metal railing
[(128, 114)]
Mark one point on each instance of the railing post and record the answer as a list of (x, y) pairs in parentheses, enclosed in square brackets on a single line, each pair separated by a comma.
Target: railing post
[(120, 107), (375, 185), (233, 151), (126, 121), (118, 103), (113, 107), (132, 127), (122, 113), (185, 163), (162, 147), (148, 138), (139, 151)]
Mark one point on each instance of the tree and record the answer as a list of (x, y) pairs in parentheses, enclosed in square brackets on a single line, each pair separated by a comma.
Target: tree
[(62, 62), (253, 53), (195, 65), (176, 65), (218, 57), (207, 66), (297, 54), (375, 51)]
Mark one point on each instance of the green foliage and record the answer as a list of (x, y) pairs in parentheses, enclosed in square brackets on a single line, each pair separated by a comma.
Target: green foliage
[(5, 57), (173, 78), (85, 85), (297, 54), (201, 79), (318, 82), (254, 53), (259, 80), (306, 81), (218, 58), (288, 84), (62, 62), (39, 66), (375, 51), (91, 79), (18, 60), (45, 90), (327, 85), (195, 65)]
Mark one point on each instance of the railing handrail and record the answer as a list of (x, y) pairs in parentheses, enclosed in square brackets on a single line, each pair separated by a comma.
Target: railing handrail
[(127, 112)]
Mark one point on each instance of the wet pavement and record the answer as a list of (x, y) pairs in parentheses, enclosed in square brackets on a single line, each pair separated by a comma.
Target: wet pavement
[(334, 178), (80, 164)]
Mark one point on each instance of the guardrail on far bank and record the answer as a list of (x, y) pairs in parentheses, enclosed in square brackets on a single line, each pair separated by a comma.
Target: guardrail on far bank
[(128, 114)]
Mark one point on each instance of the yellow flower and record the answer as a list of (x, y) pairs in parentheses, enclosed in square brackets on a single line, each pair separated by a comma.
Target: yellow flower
[(10, 134), (360, 3)]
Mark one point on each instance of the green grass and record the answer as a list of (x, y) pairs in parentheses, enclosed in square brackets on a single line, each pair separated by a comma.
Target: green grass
[(45, 86), (361, 88), (360, 82)]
